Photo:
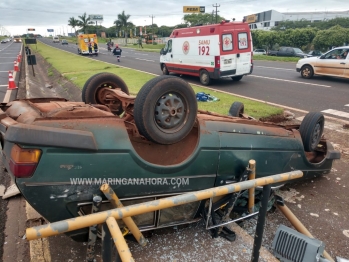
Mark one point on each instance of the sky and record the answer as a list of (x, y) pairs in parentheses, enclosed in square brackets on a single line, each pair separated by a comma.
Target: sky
[(16, 16)]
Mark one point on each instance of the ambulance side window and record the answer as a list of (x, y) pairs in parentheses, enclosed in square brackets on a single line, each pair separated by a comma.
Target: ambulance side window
[(227, 42), (168, 47), (242, 38)]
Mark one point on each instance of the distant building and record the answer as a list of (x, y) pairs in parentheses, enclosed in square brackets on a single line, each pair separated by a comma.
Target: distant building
[(268, 19)]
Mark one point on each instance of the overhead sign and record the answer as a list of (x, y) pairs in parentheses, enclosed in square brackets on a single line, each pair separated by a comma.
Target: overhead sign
[(96, 17), (31, 29), (50, 30), (251, 18), (193, 9)]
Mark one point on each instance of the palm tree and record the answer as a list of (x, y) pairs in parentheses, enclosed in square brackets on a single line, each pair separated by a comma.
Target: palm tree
[(123, 23), (84, 22), (73, 23)]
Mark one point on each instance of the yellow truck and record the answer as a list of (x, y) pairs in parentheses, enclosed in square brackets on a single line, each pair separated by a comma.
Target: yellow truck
[(83, 42)]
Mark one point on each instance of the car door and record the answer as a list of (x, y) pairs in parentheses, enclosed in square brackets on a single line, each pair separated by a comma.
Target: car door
[(330, 64), (243, 56)]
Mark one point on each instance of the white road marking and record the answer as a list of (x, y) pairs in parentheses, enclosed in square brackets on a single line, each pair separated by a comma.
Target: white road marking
[(3, 85), (276, 68), (141, 54), (336, 113), (6, 63), (145, 59), (285, 80)]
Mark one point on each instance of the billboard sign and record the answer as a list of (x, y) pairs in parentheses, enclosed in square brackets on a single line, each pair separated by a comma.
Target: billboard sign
[(251, 18), (50, 30), (96, 17), (193, 9)]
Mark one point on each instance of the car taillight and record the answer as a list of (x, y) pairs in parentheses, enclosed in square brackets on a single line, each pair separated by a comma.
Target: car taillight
[(217, 62), (23, 161)]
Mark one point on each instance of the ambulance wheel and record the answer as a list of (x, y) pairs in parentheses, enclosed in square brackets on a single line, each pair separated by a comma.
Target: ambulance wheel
[(165, 110), (164, 70), (94, 91), (205, 78), (237, 78), (236, 109)]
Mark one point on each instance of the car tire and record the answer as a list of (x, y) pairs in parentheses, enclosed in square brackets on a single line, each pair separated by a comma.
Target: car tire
[(237, 78), (165, 110), (90, 91), (164, 70), (307, 72), (205, 78), (311, 130), (236, 109)]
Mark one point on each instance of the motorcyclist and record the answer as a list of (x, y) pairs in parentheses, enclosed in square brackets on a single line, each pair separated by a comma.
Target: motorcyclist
[(117, 51)]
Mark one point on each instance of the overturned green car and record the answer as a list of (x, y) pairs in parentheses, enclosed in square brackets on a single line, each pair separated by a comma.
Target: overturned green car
[(146, 147)]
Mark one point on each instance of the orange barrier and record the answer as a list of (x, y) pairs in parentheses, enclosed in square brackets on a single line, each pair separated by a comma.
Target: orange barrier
[(16, 66), (11, 82)]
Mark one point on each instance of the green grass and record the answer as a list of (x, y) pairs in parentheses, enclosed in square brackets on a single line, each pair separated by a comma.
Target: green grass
[(78, 69), (275, 58)]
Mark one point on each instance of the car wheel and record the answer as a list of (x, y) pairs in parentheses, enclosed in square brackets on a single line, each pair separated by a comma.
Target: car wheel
[(311, 130), (205, 78), (236, 109), (307, 72), (92, 92), (165, 110), (237, 78), (164, 70)]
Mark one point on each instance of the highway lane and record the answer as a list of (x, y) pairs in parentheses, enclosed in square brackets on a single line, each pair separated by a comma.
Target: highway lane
[(8, 54), (274, 82)]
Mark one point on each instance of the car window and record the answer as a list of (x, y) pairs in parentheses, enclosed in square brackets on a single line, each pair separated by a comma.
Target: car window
[(227, 40), (333, 54), (289, 50), (297, 50), (242, 39), (283, 49)]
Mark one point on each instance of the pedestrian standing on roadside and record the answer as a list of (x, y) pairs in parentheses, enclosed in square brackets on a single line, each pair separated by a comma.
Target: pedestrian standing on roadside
[(140, 42), (90, 48), (117, 51)]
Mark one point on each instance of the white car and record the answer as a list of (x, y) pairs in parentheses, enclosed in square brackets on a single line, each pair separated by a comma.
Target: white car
[(332, 63), (259, 52)]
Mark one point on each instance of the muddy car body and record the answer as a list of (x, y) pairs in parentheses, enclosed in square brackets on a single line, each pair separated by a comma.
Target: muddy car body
[(59, 152)]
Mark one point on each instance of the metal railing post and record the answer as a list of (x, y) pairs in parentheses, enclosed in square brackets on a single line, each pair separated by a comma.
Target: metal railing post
[(251, 191)]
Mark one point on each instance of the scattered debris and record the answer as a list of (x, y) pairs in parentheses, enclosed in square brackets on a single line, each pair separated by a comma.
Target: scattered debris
[(346, 233), (2, 190), (327, 210), (338, 178), (299, 206), (289, 115), (289, 195), (314, 215), (11, 191), (346, 126), (48, 85), (336, 214)]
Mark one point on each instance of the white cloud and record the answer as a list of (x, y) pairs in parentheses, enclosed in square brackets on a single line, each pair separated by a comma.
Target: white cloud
[(18, 15)]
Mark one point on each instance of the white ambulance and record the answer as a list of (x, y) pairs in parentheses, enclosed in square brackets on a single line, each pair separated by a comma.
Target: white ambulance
[(210, 52)]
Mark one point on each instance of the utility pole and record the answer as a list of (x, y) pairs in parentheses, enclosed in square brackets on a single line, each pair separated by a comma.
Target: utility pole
[(152, 29), (216, 6)]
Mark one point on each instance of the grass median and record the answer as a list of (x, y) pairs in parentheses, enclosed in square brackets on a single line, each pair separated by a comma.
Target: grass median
[(79, 68)]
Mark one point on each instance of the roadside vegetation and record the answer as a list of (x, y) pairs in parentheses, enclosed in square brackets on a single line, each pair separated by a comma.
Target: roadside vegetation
[(79, 69)]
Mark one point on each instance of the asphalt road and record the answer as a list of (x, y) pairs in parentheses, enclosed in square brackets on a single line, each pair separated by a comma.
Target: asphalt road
[(8, 54), (274, 82)]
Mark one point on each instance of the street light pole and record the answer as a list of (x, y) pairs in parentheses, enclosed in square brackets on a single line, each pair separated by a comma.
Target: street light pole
[(152, 29)]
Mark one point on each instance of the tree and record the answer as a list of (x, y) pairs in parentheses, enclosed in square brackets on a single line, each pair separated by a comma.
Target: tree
[(84, 22), (198, 19), (122, 22), (335, 36), (73, 23)]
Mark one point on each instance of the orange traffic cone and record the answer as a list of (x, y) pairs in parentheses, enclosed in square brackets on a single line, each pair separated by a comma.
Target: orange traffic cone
[(18, 58), (15, 66), (11, 82)]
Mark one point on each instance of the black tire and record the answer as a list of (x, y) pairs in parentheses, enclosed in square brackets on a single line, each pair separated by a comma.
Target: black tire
[(90, 91), (205, 78), (311, 130), (164, 70), (307, 72), (237, 78), (236, 109), (165, 110)]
